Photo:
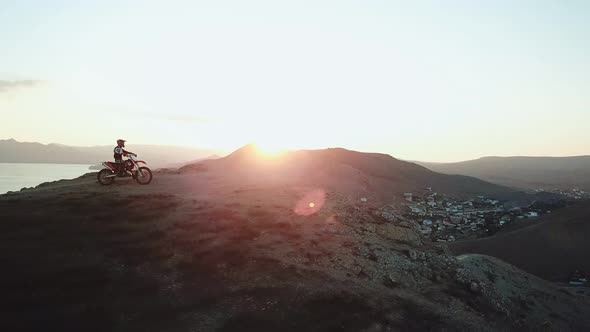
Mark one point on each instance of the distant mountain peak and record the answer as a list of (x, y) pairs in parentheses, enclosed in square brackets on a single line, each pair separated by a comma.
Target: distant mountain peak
[(248, 149)]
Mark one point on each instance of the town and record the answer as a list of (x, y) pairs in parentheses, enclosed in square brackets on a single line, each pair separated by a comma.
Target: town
[(574, 193), (443, 219)]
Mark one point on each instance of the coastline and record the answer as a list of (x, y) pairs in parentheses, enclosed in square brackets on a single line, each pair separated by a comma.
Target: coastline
[(18, 176)]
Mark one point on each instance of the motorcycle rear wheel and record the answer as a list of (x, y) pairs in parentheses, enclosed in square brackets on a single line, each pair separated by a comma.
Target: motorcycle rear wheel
[(103, 179)]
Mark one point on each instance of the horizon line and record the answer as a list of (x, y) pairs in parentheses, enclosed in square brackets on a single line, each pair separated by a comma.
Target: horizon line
[(227, 151)]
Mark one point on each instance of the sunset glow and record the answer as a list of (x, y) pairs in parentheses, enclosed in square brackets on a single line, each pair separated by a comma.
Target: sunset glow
[(407, 79), (270, 149)]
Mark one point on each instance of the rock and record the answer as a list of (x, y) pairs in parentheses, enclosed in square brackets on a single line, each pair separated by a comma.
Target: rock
[(357, 270), (371, 228), (416, 255), (405, 224), (547, 326), (474, 287), (362, 274), (389, 216), (399, 234), (390, 282), (372, 256), (460, 275), (437, 276)]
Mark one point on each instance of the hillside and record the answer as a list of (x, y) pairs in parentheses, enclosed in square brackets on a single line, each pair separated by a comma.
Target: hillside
[(368, 175), (198, 250), (551, 248), (524, 172), (194, 161), (12, 151)]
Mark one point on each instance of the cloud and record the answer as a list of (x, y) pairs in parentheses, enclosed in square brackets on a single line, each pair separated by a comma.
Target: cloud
[(8, 85)]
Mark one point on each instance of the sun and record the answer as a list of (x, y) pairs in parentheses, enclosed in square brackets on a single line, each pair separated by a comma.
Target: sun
[(270, 149)]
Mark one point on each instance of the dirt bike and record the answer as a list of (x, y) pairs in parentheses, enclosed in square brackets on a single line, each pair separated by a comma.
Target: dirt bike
[(131, 168)]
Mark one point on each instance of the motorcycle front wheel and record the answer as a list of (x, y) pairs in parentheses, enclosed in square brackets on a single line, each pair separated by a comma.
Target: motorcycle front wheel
[(144, 176), (105, 177)]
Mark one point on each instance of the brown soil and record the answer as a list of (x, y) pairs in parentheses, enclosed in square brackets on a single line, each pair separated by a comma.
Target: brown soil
[(199, 252), (551, 247)]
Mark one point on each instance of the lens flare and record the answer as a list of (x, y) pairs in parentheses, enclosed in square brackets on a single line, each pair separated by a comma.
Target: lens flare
[(311, 203)]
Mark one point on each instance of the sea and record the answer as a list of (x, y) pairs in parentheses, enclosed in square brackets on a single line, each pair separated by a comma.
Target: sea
[(14, 177)]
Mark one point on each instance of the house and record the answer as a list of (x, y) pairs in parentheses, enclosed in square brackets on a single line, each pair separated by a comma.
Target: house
[(578, 278), (505, 218), (456, 219), (426, 231), (408, 197)]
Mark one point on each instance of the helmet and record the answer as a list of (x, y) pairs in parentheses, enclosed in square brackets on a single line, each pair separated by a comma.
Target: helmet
[(121, 142)]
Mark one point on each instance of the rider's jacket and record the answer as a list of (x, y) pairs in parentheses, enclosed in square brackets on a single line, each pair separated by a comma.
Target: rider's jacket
[(118, 153)]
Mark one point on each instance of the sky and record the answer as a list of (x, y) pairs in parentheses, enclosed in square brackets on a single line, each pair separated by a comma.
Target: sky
[(420, 80)]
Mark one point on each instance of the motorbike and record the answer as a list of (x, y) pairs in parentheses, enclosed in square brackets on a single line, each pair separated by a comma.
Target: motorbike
[(132, 168)]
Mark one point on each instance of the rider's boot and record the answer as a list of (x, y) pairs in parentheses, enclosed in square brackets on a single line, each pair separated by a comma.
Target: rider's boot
[(121, 170)]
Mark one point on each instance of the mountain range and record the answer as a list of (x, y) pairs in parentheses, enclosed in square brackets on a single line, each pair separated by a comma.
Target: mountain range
[(369, 175), (12, 151), (523, 172)]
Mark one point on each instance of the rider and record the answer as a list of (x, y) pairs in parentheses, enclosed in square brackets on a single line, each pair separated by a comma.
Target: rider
[(119, 152)]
